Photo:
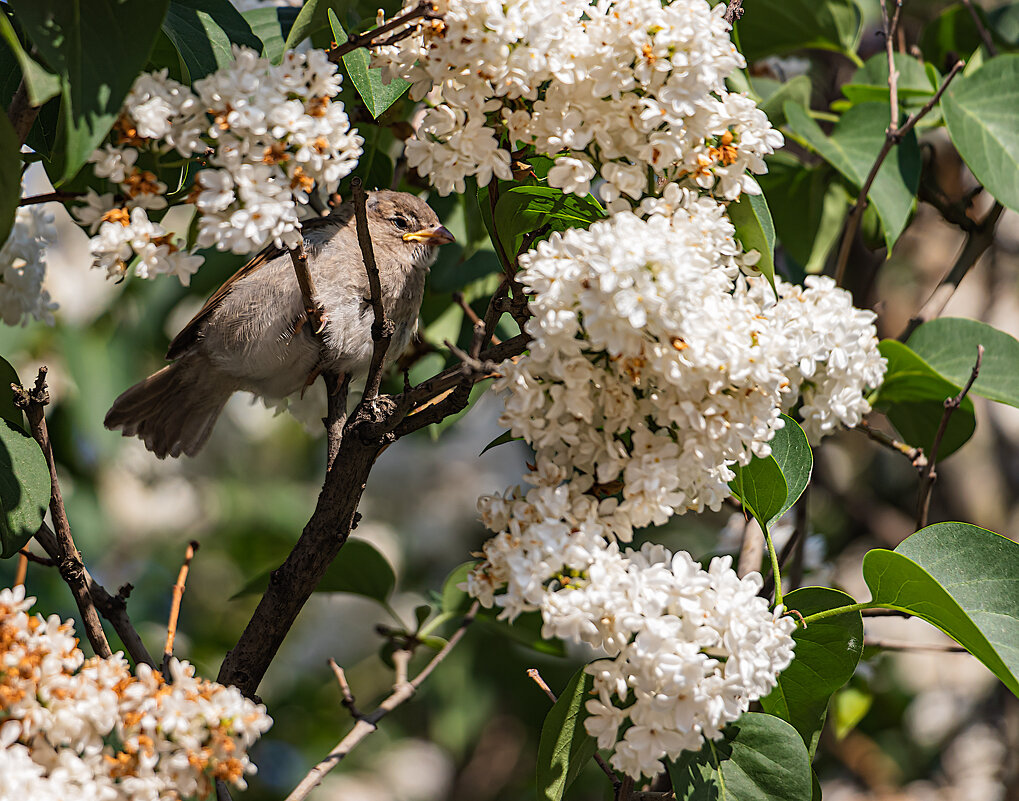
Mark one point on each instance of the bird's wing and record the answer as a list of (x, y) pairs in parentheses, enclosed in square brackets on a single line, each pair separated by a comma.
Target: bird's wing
[(192, 332)]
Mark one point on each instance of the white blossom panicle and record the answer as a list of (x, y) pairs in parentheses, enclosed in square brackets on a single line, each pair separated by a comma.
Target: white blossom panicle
[(627, 91), (268, 136), (72, 727), (23, 268)]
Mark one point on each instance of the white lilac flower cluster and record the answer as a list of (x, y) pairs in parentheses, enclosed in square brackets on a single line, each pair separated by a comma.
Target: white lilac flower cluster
[(23, 268), (688, 649), (655, 365), (629, 91), (72, 727), (267, 134)]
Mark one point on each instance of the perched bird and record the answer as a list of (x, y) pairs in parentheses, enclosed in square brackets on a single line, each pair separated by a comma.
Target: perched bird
[(251, 334)]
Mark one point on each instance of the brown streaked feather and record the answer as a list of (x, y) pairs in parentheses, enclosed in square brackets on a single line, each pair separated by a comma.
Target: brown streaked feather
[(190, 333)]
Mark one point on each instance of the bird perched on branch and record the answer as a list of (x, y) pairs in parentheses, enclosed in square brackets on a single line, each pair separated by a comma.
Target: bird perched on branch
[(252, 333)]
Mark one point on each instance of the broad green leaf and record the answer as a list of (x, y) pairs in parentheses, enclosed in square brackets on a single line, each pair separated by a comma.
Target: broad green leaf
[(524, 209), (760, 487), (359, 569), (913, 396), (870, 83), (755, 230), (97, 48), (565, 746), (791, 451), (807, 207), (826, 656), (769, 487), (377, 96), (10, 177), (962, 579), (24, 488), (525, 630), (848, 707), (314, 17), (265, 24), (949, 345), (800, 25), (982, 114), (775, 94), (853, 147), (758, 758), (203, 31), (1004, 24), (40, 83)]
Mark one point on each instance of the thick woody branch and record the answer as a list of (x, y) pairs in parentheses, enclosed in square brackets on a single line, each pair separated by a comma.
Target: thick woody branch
[(374, 37), (928, 476), (892, 138), (366, 724), (34, 401), (382, 327)]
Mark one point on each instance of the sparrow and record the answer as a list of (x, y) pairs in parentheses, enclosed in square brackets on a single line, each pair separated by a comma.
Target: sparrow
[(252, 333)]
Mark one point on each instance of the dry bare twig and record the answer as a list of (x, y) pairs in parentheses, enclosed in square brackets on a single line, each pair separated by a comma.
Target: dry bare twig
[(178, 596)]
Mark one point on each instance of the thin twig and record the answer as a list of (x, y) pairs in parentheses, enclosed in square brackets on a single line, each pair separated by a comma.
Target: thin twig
[(22, 572), (348, 697), (985, 35), (916, 456), (314, 314), (733, 11), (222, 791), (928, 477), (894, 645), (45, 561), (424, 10), (458, 299), (888, 27), (34, 401), (892, 138), (535, 676), (366, 724), (382, 327), (178, 596), (50, 197)]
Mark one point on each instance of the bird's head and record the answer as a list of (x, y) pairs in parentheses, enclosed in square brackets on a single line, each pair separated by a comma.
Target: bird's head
[(404, 224)]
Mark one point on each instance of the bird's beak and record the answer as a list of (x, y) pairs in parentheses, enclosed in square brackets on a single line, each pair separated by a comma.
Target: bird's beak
[(436, 235)]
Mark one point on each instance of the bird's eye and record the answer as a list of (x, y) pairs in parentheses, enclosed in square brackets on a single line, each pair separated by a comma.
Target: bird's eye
[(401, 222)]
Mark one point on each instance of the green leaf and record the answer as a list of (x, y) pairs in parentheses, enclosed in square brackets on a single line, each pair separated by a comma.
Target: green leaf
[(800, 25), (853, 147), (8, 411), (949, 345), (265, 24), (769, 487), (377, 96), (41, 84), (203, 32), (24, 488), (359, 569), (962, 579), (10, 177), (775, 94), (870, 83), (525, 630), (951, 35), (565, 746), (827, 652), (849, 707), (455, 600), (755, 230), (758, 758), (502, 439), (982, 114), (97, 49), (791, 451), (1004, 23), (524, 209), (314, 17), (913, 398)]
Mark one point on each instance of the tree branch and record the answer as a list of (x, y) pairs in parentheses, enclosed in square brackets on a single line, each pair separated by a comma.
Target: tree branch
[(22, 113), (314, 314), (892, 138), (178, 596), (928, 476), (423, 10), (366, 724), (34, 401)]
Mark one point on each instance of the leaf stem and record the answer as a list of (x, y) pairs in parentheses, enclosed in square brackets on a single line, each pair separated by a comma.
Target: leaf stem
[(824, 614), (776, 570)]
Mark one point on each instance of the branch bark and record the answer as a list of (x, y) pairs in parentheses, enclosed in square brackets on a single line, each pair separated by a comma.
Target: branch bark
[(892, 138), (423, 10)]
